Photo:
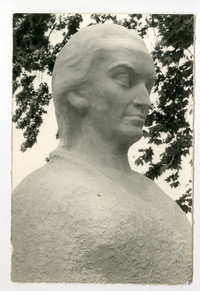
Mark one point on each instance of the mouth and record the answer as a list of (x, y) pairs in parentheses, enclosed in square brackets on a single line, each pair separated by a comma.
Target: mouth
[(135, 119), (135, 116)]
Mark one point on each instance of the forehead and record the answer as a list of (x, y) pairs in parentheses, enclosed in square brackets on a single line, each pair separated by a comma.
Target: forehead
[(125, 53), (138, 61)]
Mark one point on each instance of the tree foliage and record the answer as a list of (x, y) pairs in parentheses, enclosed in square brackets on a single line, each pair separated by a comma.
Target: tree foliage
[(34, 52)]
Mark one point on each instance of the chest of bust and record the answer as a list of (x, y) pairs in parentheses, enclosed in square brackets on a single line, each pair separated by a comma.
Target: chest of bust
[(126, 236), (89, 227)]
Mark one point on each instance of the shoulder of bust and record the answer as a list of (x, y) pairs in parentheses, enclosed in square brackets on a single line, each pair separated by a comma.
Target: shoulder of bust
[(49, 189)]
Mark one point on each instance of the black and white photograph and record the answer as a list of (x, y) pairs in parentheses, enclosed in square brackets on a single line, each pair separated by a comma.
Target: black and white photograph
[(86, 216), (102, 149)]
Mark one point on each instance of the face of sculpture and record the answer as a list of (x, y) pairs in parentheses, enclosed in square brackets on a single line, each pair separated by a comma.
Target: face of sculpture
[(120, 83)]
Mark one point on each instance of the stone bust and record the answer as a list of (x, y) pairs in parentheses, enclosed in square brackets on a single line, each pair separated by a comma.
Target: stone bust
[(86, 216)]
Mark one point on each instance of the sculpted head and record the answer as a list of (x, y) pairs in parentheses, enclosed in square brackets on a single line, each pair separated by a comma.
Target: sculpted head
[(103, 77)]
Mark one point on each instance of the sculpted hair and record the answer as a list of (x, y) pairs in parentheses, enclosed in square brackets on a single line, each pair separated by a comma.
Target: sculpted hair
[(72, 66)]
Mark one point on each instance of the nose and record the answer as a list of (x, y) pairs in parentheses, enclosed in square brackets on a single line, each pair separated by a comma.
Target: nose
[(140, 97)]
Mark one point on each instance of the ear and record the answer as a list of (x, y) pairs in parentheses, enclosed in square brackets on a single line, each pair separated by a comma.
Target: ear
[(78, 101)]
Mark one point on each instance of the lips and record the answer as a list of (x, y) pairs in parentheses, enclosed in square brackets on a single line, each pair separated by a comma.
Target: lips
[(135, 119), (135, 115)]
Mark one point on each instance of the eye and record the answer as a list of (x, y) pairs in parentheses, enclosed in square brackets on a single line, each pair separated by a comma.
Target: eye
[(123, 79)]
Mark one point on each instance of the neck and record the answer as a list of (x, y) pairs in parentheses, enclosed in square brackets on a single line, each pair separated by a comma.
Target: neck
[(98, 151)]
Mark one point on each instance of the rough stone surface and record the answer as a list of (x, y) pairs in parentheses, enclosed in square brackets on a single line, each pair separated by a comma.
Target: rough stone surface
[(105, 229), (85, 216)]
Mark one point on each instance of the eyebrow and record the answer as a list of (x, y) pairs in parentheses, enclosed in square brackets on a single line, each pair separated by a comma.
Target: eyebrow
[(129, 66), (122, 64)]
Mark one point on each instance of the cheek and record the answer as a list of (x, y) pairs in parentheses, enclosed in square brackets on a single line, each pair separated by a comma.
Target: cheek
[(111, 101)]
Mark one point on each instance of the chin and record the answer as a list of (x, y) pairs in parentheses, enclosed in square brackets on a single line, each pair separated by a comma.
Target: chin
[(135, 139), (128, 138)]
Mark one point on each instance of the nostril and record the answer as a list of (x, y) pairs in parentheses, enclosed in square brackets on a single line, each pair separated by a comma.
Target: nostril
[(142, 102)]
